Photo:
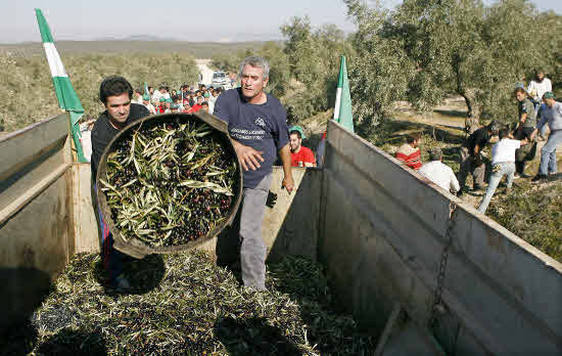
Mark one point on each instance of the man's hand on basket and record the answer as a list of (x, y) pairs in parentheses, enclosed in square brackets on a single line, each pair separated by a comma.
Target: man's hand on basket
[(248, 156)]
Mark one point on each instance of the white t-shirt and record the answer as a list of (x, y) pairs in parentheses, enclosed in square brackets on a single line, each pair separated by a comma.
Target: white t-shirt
[(504, 150), (537, 90), (440, 174)]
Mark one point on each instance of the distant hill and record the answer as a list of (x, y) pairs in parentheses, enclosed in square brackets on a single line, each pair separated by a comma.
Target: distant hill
[(196, 49)]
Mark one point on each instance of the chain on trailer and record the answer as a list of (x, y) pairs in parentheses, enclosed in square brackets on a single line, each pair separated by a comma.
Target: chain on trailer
[(438, 293)]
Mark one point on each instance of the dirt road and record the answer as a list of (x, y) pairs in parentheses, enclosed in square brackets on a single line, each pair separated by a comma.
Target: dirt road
[(206, 73)]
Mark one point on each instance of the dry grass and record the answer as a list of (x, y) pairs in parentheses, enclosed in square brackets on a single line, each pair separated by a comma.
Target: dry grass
[(140, 47), (534, 213), (26, 84)]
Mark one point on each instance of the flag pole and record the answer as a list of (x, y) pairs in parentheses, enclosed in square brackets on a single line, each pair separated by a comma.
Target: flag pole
[(66, 96)]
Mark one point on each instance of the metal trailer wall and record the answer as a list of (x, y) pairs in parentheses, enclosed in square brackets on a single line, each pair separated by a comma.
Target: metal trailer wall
[(383, 239), (36, 217), (291, 227)]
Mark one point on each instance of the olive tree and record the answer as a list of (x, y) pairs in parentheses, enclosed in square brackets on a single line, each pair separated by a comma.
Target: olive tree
[(453, 46), (313, 55), (379, 70)]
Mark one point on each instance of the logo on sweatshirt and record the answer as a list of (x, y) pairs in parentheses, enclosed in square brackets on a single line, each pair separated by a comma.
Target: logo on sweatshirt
[(260, 122)]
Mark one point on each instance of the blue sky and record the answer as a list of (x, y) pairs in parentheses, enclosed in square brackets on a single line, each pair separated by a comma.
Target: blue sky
[(204, 20)]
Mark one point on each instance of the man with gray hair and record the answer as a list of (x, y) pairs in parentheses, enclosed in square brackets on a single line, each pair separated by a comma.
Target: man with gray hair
[(257, 124), (438, 172)]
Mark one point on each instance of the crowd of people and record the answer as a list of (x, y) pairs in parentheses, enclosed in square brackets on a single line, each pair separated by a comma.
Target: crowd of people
[(186, 99), (516, 143)]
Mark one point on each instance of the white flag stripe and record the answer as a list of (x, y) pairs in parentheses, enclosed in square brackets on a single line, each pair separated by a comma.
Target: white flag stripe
[(338, 103), (55, 63)]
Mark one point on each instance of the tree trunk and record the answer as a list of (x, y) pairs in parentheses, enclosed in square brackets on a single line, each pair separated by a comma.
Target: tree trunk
[(472, 122), (474, 108)]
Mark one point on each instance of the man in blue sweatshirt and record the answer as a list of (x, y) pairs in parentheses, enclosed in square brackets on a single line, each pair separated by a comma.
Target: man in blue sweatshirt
[(551, 115), (257, 124)]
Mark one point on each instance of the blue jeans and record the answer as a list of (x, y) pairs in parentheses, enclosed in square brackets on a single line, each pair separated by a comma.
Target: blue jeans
[(498, 171), (548, 153)]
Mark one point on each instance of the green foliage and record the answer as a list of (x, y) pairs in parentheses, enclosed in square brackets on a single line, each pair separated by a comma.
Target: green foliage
[(27, 85), (227, 62), (534, 214), (27, 89), (379, 71), (314, 56), (303, 71), (279, 72), (549, 47), (476, 51), (427, 49)]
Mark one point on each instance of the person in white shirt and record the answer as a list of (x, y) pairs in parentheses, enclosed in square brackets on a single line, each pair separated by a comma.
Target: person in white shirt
[(162, 92), (439, 173), (503, 163), (147, 104), (137, 96), (539, 86)]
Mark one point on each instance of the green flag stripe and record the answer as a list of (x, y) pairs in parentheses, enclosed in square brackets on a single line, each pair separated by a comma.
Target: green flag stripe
[(46, 35), (67, 97), (341, 76), (345, 115)]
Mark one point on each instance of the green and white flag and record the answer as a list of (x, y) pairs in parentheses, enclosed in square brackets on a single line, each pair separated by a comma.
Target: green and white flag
[(146, 92), (342, 109), (66, 95)]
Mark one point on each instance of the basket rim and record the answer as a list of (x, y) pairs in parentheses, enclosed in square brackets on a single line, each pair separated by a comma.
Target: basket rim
[(134, 247)]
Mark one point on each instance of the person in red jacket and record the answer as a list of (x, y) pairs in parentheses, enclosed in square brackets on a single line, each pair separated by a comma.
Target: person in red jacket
[(300, 156), (197, 106), (409, 152)]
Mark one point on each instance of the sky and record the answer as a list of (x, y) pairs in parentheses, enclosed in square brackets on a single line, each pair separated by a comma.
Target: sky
[(201, 21)]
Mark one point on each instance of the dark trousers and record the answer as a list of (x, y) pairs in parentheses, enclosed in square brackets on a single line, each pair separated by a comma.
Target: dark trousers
[(112, 259), (525, 153), (472, 165)]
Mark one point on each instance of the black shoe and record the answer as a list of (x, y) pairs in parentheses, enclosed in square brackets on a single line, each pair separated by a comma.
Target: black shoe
[(523, 175), (538, 178)]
